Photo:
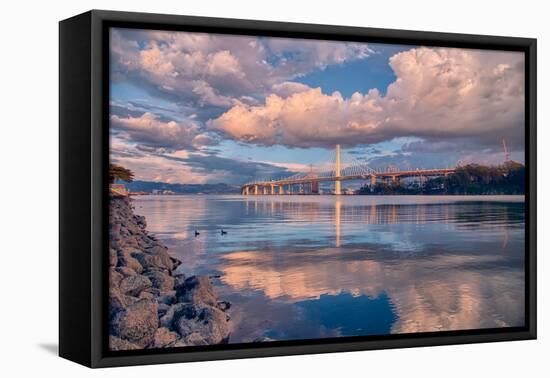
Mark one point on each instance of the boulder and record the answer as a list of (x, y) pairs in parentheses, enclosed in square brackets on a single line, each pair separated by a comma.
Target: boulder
[(113, 259), (179, 279), (168, 298), (157, 249), (160, 280), (137, 323), (145, 241), (162, 309), (116, 343), (194, 339), (161, 257), (126, 257), (130, 242), (114, 234), (148, 261), (146, 294), (134, 285), (164, 338), (210, 323), (126, 271), (175, 262), (224, 305), (118, 301), (140, 221), (197, 289), (133, 228), (166, 320), (154, 291), (114, 278)]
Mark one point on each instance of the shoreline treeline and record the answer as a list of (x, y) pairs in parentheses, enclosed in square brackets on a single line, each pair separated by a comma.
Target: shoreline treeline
[(476, 179)]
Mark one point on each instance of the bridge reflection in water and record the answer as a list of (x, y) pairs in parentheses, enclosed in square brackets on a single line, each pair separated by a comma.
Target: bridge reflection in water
[(372, 212), (309, 183)]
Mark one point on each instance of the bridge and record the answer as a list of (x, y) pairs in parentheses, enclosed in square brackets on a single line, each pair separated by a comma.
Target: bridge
[(308, 183)]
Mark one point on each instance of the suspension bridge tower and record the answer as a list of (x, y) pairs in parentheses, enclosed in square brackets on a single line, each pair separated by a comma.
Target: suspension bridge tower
[(337, 185)]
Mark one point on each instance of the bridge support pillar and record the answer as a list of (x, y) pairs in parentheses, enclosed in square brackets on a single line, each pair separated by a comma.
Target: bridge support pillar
[(315, 187), (272, 189), (372, 181), (281, 189), (337, 183), (256, 190)]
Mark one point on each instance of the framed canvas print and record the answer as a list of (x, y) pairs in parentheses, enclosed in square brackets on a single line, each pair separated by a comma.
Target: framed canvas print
[(233, 188)]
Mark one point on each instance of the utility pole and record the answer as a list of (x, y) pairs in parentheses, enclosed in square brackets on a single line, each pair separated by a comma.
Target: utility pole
[(506, 152)]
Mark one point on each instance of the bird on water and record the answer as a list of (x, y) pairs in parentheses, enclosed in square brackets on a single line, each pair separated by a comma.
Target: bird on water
[(223, 232), (197, 233)]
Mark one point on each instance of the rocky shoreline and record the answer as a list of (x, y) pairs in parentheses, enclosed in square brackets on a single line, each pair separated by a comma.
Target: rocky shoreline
[(152, 306)]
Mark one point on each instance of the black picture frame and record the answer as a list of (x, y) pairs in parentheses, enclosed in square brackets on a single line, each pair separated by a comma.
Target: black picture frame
[(83, 196)]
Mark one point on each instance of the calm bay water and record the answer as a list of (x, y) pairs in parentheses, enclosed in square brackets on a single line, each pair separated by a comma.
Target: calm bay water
[(298, 267)]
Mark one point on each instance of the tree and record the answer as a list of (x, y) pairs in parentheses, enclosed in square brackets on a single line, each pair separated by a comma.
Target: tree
[(116, 172), (472, 179)]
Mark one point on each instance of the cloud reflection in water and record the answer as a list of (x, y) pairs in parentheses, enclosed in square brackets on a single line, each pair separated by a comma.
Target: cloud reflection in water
[(308, 267)]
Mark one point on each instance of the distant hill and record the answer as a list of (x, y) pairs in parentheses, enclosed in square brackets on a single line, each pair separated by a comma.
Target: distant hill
[(149, 186)]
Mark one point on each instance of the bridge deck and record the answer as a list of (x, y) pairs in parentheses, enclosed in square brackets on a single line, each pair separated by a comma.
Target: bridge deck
[(311, 179)]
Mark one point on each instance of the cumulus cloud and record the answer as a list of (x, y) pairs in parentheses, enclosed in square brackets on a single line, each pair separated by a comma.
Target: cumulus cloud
[(438, 93), (295, 57), (219, 70), (288, 88), (150, 131)]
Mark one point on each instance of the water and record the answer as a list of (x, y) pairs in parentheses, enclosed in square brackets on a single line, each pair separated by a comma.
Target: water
[(297, 267)]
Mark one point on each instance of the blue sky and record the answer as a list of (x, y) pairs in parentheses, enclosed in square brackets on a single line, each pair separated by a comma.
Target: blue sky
[(203, 108), (357, 76)]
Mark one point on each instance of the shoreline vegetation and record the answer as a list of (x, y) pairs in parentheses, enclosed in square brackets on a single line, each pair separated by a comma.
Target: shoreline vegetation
[(150, 304), (472, 179)]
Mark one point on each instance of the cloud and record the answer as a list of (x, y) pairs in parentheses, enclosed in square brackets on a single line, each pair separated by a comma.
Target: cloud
[(150, 131), (436, 153), (438, 93), (214, 70), (190, 167), (296, 57), (232, 171), (150, 165), (157, 169), (288, 88)]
